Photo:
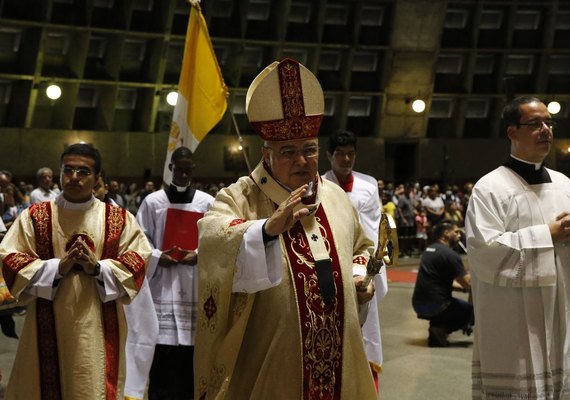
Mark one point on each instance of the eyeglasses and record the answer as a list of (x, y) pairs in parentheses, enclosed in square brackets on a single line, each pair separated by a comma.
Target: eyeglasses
[(81, 172), (536, 125), (291, 153)]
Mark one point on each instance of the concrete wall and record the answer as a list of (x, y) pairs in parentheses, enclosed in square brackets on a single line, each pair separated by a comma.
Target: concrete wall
[(125, 154)]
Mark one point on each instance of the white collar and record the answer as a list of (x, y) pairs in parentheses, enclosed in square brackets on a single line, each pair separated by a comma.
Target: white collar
[(180, 189), (60, 201), (536, 165)]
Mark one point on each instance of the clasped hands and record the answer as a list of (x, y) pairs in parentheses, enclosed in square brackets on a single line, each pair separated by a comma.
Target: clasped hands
[(176, 255), (560, 227), (79, 253)]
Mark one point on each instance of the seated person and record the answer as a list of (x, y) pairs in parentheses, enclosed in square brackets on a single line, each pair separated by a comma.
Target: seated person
[(440, 266)]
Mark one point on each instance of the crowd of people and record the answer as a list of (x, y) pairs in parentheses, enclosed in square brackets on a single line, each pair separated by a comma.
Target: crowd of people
[(418, 209), (207, 291), (415, 207), (17, 195)]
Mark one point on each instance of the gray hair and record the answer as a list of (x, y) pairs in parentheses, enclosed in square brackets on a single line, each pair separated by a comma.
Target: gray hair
[(42, 171)]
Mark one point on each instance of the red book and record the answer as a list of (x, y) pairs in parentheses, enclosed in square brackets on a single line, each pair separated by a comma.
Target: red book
[(181, 231)]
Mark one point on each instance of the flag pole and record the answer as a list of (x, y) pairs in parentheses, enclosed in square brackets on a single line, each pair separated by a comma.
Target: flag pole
[(240, 139)]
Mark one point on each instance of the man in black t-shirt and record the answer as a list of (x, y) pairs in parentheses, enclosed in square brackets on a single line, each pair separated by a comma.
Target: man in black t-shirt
[(440, 266)]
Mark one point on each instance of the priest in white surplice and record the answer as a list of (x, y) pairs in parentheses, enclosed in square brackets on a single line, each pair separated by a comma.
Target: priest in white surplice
[(362, 190), (278, 315), (518, 231)]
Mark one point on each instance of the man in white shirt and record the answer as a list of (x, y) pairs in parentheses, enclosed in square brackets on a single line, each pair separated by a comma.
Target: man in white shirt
[(362, 190), (434, 205), (43, 192), (518, 232)]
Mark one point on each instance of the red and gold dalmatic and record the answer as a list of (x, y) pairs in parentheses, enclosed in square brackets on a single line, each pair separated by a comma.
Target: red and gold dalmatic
[(285, 342), (72, 345)]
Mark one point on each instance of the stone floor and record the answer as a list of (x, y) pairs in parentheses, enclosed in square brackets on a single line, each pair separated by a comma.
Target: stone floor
[(411, 370)]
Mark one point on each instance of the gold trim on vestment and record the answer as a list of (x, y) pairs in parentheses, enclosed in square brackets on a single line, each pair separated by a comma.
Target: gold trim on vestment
[(322, 342)]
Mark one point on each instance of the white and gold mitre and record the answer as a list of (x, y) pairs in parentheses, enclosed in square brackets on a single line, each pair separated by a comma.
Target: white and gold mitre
[(285, 102)]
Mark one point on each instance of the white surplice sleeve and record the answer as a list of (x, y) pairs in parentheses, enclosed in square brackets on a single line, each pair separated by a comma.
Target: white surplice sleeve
[(258, 264), (369, 217), (146, 219), (501, 253), (108, 287), (44, 284)]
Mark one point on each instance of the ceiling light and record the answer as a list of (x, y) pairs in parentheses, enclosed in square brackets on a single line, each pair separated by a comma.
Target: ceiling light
[(53, 92), (172, 98), (553, 107), (418, 106)]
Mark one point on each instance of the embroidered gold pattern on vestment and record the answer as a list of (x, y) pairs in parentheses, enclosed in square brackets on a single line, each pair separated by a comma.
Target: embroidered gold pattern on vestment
[(226, 232), (322, 342), (217, 378), (13, 263), (115, 218), (321, 321), (301, 248), (135, 264), (41, 217), (112, 348), (114, 225), (210, 308), (202, 386), (291, 89), (239, 303), (288, 129), (47, 350)]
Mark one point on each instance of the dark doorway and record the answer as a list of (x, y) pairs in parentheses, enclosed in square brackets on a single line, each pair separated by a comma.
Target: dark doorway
[(401, 159)]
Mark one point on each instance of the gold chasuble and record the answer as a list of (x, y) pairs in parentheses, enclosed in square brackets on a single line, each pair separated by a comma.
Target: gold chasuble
[(288, 341), (72, 345)]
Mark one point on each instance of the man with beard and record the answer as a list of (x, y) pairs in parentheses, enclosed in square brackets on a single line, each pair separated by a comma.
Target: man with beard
[(440, 266)]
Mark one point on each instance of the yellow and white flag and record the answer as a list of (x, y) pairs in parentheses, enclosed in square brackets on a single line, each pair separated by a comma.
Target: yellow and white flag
[(202, 93)]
